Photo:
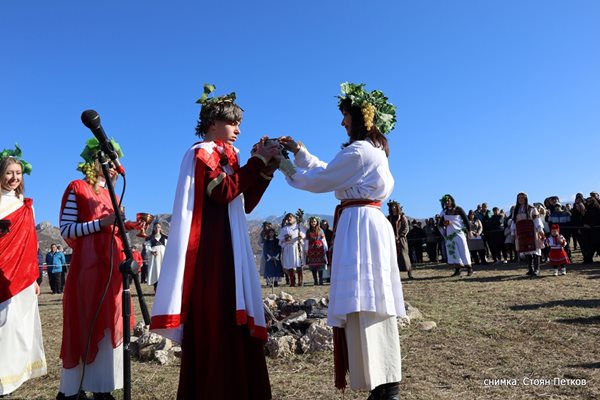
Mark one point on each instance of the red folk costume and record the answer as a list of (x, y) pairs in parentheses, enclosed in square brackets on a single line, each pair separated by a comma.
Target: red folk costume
[(18, 252), (88, 274), (317, 247), (209, 297), (557, 256)]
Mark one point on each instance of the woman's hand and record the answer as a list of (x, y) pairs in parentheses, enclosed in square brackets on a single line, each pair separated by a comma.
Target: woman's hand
[(37, 289), (108, 220), (290, 144)]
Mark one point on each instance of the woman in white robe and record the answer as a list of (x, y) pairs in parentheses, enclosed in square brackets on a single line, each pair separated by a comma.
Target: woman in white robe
[(156, 245), (366, 292), (22, 354), (454, 226), (291, 241)]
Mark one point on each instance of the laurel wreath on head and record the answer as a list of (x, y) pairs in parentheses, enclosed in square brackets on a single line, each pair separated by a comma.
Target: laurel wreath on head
[(17, 154), (375, 107), (90, 154), (204, 100)]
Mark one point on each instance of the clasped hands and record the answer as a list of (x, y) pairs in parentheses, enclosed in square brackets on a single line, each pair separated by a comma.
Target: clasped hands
[(270, 149)]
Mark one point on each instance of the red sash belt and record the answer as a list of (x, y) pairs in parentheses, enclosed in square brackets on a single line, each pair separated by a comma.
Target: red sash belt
[(340, 347)]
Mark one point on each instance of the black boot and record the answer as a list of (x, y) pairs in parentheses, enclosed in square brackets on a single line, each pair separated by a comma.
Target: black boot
[(315, 280), (103, 396), (456, 273), (390, 391), (81, 396), (469, 270), (410, 275), (320, 278)]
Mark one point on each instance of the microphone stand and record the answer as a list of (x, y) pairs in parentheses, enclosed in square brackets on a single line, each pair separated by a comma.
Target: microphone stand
[(129, 270)]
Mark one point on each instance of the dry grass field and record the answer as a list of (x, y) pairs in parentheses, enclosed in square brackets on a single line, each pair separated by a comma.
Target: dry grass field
[(500, 335)]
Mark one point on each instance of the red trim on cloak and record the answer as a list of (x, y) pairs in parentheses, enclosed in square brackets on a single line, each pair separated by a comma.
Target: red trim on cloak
[(195, 234), (171, 321)]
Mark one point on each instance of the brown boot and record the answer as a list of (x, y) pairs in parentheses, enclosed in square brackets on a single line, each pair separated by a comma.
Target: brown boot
[(292, 274), (300, 277)]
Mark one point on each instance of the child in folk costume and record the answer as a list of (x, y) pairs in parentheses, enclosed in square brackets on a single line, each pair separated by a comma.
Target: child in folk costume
[(291, 239), (528, 231), (272, 258), (22, 354), (454, 227), (316, 250), (558, 256), (266, 225), (366, 293), (209, 297)]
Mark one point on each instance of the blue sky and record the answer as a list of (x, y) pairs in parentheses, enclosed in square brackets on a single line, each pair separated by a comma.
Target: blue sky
[(493, 97)]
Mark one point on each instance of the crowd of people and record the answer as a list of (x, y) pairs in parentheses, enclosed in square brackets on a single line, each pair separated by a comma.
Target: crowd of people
[(208, 293), (285, 254), (482, 236)]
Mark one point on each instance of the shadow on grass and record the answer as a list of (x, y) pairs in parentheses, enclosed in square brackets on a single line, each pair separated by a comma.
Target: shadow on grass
[(580, 321), (580, 303), (586, 366)]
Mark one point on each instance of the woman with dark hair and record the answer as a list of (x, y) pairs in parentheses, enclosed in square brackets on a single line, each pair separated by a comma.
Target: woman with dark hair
[(328, 236), (401, 228), (21, 344), (366, 292), (528, 230), (157, 244), (316, 250), (291, 240), (475, 241), (454, 227)]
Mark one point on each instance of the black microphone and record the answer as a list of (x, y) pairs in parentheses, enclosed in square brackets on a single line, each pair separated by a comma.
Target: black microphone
[(91, 119)]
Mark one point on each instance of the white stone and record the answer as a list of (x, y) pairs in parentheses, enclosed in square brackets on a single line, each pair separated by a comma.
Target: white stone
[(162, 356), (149, 338), (413, 313), (320, 337), (271, 304), (427, 325), (283, 346), (286, 296), (324, 302)]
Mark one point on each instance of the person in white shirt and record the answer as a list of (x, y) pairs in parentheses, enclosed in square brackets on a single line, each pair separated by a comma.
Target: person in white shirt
[(366, 292)]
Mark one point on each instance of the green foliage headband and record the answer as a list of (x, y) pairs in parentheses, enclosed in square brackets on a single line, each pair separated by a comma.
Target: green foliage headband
[(90, 151), (17, 154), (385, 112), (205, 101), (445, 198)]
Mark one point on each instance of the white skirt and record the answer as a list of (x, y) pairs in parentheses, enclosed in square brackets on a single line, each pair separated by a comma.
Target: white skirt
[(156, 262), (364, 270), (373, 350), (21, 345), (291, 256), (103, 375)]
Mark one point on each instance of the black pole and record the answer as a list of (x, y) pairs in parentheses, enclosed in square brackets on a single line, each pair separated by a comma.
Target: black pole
[(128, 270)]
